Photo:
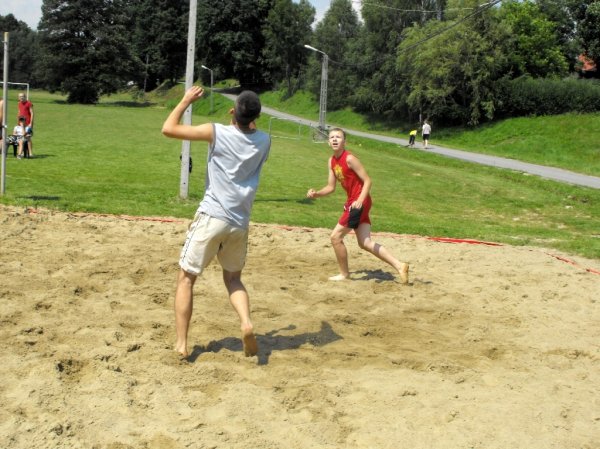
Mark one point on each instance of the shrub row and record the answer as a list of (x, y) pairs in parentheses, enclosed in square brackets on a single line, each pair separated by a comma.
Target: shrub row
[(527, 96)]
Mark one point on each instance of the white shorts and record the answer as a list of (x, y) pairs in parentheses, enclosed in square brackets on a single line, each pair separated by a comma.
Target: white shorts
[(208, 237)]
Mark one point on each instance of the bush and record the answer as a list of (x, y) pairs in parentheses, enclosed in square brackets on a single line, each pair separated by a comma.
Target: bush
[(527, 96)]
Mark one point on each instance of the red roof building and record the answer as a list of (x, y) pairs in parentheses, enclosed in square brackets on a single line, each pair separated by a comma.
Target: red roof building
[(586, 66)]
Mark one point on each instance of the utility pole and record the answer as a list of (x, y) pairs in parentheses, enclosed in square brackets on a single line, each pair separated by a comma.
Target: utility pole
[(187, 115), (323, 96), (146, 75)]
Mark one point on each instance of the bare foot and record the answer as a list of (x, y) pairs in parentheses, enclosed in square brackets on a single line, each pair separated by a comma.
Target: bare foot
[(338, 277), (250, 344), (182, 350), (403, 272)]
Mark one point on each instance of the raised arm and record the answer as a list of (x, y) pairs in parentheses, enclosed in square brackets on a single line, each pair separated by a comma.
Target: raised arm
[(172, 127)]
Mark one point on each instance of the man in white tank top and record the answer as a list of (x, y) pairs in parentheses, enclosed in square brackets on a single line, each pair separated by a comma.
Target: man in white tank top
[(236, 155)]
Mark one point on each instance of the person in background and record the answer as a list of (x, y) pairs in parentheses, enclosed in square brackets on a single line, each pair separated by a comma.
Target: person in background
[(412, 135), (26, 110), (19, 136), (426, 131)]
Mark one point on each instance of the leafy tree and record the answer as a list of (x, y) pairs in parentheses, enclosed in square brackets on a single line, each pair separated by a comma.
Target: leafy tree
[(335, 35), (531, 41), (588, 29), (160, 39), (559, 12), (22, 46), (85, 51), (375, 53), (287, 29), (450, 78), (230, 39)]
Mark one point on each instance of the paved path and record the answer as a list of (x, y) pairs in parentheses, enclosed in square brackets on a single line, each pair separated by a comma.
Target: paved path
[(556, 174)]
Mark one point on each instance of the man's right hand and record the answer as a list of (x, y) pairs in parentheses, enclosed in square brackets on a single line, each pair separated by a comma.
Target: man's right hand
[(193, 94)]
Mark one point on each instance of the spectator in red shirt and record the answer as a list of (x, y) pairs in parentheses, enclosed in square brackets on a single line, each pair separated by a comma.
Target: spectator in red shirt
[(26, 110)]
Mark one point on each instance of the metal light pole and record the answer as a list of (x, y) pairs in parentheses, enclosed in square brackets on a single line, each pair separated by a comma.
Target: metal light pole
[(211, 87), (187, 115), (323, 97)]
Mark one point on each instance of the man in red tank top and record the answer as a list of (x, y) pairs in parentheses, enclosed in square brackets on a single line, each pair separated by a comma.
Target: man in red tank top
[(348, 170), (25, 108)]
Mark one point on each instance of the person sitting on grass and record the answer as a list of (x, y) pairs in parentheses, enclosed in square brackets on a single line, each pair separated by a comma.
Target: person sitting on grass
[(19, 132)]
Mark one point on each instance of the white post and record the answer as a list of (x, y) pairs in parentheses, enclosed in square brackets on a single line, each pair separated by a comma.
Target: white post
[(211, 93), (323, 96), (323, 102), (4, 109), (187, 115)]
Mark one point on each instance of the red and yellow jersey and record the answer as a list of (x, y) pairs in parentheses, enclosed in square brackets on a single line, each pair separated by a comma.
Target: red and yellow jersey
[(353, 185), (347, 177)]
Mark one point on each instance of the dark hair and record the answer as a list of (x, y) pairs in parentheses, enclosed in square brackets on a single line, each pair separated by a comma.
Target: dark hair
[(247, 107), (22, 119)]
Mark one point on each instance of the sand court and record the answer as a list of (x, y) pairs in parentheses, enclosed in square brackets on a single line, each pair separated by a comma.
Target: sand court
[(488, 347)]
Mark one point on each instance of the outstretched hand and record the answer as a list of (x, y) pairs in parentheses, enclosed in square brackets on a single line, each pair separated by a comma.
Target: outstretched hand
[(193, 94)]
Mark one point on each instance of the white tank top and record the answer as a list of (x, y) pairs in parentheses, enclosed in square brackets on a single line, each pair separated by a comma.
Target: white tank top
[(234, 163)]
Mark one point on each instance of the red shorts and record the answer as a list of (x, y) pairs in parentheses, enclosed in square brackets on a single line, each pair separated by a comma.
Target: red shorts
[(348, 218)]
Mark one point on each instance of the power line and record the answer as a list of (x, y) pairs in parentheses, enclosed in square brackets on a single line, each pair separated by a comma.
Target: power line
[(378, 5), (484, 7), (480, 9)]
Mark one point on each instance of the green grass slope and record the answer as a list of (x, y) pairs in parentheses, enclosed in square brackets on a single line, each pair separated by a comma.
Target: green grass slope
[(112, 158)]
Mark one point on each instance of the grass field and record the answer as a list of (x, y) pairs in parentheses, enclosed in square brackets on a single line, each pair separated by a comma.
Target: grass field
[(112, 158), (569, 141)]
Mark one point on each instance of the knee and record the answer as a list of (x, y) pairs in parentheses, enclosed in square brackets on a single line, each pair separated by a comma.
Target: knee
[(336, 239), (186, 279), (367, 245), (232, 280)]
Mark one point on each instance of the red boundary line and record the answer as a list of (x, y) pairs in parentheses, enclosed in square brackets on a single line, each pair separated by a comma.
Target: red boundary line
[(123, 217), (575, 264), (456, 240), (470, 241), (292, 228)]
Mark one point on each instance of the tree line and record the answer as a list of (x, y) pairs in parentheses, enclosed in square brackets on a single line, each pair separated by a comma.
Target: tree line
[(458, 61)]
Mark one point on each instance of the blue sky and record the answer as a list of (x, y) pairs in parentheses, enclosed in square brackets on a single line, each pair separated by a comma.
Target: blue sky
[(29, 11)]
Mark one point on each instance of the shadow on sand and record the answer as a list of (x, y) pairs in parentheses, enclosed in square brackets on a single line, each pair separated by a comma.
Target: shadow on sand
[(377, 275), (270, 342)]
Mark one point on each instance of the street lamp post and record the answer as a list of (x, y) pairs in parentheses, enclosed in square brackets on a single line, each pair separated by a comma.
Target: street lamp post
[(323, 97), (211, 87)]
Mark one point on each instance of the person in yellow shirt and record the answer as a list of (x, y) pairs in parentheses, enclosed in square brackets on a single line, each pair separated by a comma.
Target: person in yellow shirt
[(412, 135)]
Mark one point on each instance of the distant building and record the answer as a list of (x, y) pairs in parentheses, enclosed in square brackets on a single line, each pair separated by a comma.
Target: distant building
[(586, 67)]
